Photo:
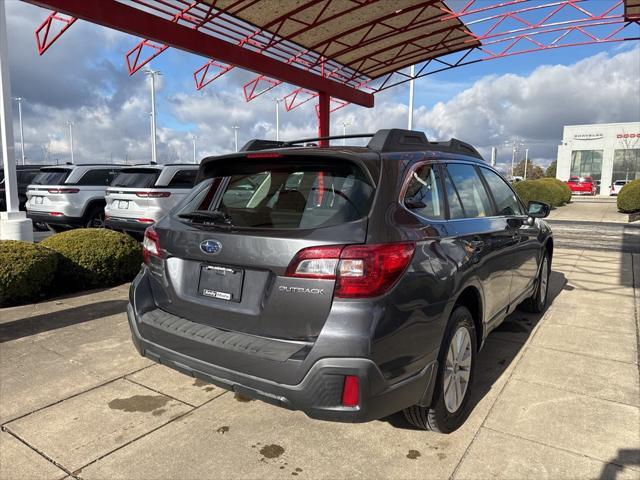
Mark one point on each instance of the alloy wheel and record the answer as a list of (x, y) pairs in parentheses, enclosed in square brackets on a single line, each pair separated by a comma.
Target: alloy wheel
[(457, 369)]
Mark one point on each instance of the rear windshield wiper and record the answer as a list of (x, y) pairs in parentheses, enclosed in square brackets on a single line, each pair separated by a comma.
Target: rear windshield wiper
[(216, 217)]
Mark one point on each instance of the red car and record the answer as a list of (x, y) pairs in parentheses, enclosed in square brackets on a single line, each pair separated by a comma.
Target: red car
[(582, 185)]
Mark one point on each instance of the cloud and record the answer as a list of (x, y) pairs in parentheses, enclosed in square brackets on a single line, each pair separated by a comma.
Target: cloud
[(599, 89)]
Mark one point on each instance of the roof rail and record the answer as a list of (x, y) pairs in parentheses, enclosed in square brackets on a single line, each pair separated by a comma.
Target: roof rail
[(388, 140)]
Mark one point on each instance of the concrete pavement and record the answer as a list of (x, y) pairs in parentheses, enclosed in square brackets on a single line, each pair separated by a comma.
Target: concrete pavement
[(556, 396)]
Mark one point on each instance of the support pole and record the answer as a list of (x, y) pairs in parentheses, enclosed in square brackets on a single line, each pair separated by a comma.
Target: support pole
[(411, 82), (494, 154), (235, 135), (278, 100), (14, 224), (324, 104), (526, 160)]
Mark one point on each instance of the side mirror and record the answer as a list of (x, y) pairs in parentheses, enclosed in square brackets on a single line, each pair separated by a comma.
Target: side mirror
[(537, 209)]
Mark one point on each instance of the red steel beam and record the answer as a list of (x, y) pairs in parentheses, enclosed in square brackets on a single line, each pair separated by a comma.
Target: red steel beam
[(113, 14), (44, 37)]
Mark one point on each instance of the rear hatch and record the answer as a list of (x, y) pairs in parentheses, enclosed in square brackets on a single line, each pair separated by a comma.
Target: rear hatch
[(131, 193), (227, 247), (48, 189)]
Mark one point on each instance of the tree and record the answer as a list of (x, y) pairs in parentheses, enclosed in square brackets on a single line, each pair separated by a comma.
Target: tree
[(551, 169), (533, 171)]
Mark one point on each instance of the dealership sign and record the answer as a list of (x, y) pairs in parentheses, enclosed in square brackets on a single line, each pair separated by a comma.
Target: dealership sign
[(588, 136)]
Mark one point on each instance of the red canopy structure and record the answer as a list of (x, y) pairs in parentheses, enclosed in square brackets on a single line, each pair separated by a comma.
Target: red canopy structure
[(343, 51)]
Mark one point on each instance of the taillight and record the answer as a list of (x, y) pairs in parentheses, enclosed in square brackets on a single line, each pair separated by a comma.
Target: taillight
[(150, 245), (145, 220), (153, 194), (360, 271), (351, 391), (63, 190)]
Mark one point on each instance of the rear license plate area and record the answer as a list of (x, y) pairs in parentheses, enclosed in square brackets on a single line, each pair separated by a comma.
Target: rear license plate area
[(39, 200), (123, 204), (221, 282)]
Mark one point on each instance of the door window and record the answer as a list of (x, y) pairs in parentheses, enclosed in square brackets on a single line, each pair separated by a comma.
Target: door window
[(423, 195), (471, 192), (506, 201)]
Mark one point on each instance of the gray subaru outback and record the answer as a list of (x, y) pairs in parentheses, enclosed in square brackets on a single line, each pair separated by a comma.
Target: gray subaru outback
[(347, 282)]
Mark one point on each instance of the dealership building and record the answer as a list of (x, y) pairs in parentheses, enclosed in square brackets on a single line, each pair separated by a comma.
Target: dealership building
[(606, 152)]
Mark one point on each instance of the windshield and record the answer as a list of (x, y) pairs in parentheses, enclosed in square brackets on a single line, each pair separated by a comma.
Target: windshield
[(136, 178), (281, 194), (55, 176)]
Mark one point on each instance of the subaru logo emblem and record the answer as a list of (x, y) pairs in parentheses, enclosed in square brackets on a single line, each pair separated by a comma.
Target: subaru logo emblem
[(211, 246)]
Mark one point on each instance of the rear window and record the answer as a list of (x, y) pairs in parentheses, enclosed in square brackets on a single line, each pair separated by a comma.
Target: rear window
[(281, 194), (136, 178), (51, 176)]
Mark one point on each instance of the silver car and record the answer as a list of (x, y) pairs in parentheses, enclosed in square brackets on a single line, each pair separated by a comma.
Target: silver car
[(69, 196), (141, 195)]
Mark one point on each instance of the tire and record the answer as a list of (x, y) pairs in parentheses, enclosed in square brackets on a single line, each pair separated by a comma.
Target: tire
[(95, 218), (446, 415), (57, 228), (538, 301)]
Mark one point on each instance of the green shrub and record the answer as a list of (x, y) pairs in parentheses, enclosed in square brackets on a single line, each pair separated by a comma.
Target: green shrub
[(566, 191), (94, 257), (629, 197), (26, 271), (541, 190)]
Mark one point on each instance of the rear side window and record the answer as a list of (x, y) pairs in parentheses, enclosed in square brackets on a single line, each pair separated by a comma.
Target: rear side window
[(183, 179), (423, 195), (55, 176), (26, 176), (136, 178), (471, 192), (99, 177), (283, 194), (506, 201)]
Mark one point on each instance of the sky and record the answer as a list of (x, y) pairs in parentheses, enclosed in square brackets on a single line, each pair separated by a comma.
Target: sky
[(83, 78)]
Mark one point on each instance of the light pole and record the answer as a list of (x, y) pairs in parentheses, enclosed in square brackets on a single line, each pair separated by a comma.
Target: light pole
[(344, 132), (195, 139), (412, 72), (277, 100), (526, 160), (19, 100), (235, 135), (70, 123), (152, 75), (515, 148)]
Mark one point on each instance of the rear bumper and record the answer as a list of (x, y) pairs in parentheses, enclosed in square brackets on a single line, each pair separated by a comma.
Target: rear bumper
[(44, 217), (318, 394), (126, 224)]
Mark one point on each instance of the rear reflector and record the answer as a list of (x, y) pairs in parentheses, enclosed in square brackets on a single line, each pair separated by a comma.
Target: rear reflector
[(150, 245), (56, 214), (360, 271), (63, 190), (145, 220), (153, 194), (351, 391)]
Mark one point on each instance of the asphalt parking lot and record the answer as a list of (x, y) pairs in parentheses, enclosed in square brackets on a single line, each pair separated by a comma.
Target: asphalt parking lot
[(556, 396)]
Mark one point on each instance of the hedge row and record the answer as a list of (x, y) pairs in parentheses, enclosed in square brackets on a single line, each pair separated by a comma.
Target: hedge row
[(550, 190), (66, 262), (629, 197)]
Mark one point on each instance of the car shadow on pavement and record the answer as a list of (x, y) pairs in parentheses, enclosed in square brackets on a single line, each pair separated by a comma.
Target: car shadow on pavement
[(626, 456), (25, 327), (500, 349)]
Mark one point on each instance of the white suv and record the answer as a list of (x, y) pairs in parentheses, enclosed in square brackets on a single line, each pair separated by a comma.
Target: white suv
[(617, 186), (70, 196), (141, 195)]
